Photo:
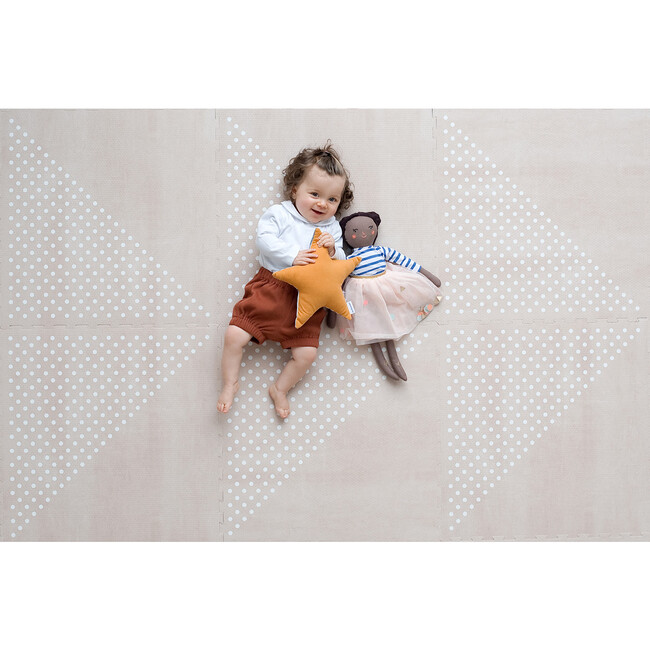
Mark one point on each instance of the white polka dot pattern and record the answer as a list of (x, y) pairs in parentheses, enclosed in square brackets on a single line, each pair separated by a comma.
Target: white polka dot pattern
[(261, 452), (506, 388), (71, 265), (508, 262), (504, 256), (253, 185), (69, 395)]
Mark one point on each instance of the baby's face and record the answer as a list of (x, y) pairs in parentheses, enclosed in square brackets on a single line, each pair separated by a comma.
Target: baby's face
[(360, 231), (318, 195)]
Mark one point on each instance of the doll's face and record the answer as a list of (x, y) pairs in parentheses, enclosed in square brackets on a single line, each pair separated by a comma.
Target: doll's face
[(360, 231)]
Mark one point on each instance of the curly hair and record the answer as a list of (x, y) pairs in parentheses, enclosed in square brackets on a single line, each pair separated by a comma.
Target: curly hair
[(329, 161), (372, 215)]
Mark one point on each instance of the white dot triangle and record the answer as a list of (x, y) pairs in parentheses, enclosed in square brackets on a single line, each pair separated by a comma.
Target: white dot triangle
[(505, 257), (262, 453), (69, 395), (252, 185), (71, 262), (507, 387), (508, 262)]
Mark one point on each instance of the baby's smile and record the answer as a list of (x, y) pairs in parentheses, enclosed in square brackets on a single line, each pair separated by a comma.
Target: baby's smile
[(318, 195)]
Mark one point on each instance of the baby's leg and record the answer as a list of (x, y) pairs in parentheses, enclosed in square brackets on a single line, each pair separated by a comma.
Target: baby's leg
[(235, 341), (293, 372)]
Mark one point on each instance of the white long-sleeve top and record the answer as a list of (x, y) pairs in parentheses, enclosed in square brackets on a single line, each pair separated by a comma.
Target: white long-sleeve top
[(282, 232)]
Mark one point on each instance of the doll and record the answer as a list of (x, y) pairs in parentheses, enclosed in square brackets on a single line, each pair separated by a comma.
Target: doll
[(388, 292)]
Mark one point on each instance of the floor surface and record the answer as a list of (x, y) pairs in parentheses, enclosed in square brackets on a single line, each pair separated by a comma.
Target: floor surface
[(128, 235)]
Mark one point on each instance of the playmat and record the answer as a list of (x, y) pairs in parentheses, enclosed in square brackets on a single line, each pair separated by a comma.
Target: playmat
[(128, 235)]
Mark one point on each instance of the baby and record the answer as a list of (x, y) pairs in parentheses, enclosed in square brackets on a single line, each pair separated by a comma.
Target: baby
[(317, 188)]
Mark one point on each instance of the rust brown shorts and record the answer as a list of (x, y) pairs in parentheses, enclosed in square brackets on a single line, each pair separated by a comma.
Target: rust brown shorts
[(268, 311)]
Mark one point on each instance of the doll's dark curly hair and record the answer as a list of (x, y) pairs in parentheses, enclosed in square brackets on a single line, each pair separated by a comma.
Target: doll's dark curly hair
[(329, 161), (373, 215)]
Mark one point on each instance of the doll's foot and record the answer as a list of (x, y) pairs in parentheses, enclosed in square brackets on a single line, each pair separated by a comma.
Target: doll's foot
[(280, 400), (227, 397), (399, 370)]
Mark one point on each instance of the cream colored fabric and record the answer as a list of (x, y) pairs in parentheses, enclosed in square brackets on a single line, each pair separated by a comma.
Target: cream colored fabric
[(127, 236)]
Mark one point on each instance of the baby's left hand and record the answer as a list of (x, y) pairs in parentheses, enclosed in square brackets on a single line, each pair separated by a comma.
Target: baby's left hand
[(327, 240)]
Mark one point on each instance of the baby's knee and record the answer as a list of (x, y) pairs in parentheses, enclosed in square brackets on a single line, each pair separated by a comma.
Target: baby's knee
[(305, 355), (236, 337)]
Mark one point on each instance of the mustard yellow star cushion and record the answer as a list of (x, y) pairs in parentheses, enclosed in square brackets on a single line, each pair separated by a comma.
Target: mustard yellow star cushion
[(319, 284)]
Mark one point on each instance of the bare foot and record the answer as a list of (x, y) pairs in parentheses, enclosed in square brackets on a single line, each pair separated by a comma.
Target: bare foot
[(227, 396), (280, 400)]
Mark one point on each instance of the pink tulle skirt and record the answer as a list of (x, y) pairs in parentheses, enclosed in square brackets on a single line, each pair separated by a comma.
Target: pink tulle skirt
[(387, 306)]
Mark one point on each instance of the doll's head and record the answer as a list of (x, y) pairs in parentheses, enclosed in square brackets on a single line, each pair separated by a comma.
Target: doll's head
[(325, 159), (360, 229)]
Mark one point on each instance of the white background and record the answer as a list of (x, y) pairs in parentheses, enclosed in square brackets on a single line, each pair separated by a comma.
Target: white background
[(330, 55)]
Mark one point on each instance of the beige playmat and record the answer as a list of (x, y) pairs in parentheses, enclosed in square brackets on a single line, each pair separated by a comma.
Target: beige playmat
[(128, 235)]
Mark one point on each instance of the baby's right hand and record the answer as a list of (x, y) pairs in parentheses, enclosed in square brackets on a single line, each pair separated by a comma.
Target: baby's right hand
[(308, 256)]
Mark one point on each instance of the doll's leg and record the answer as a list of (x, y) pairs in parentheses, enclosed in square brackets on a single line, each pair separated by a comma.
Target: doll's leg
[(394, 360), (330, 319), (235, 341), (301, 360), (381, 361)]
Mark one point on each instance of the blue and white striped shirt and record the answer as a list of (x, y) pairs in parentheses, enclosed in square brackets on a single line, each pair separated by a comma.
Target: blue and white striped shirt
[(374, 258)]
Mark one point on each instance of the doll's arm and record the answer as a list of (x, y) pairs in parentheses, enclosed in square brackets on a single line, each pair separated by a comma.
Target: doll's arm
[(395, 257), (430, 276)]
